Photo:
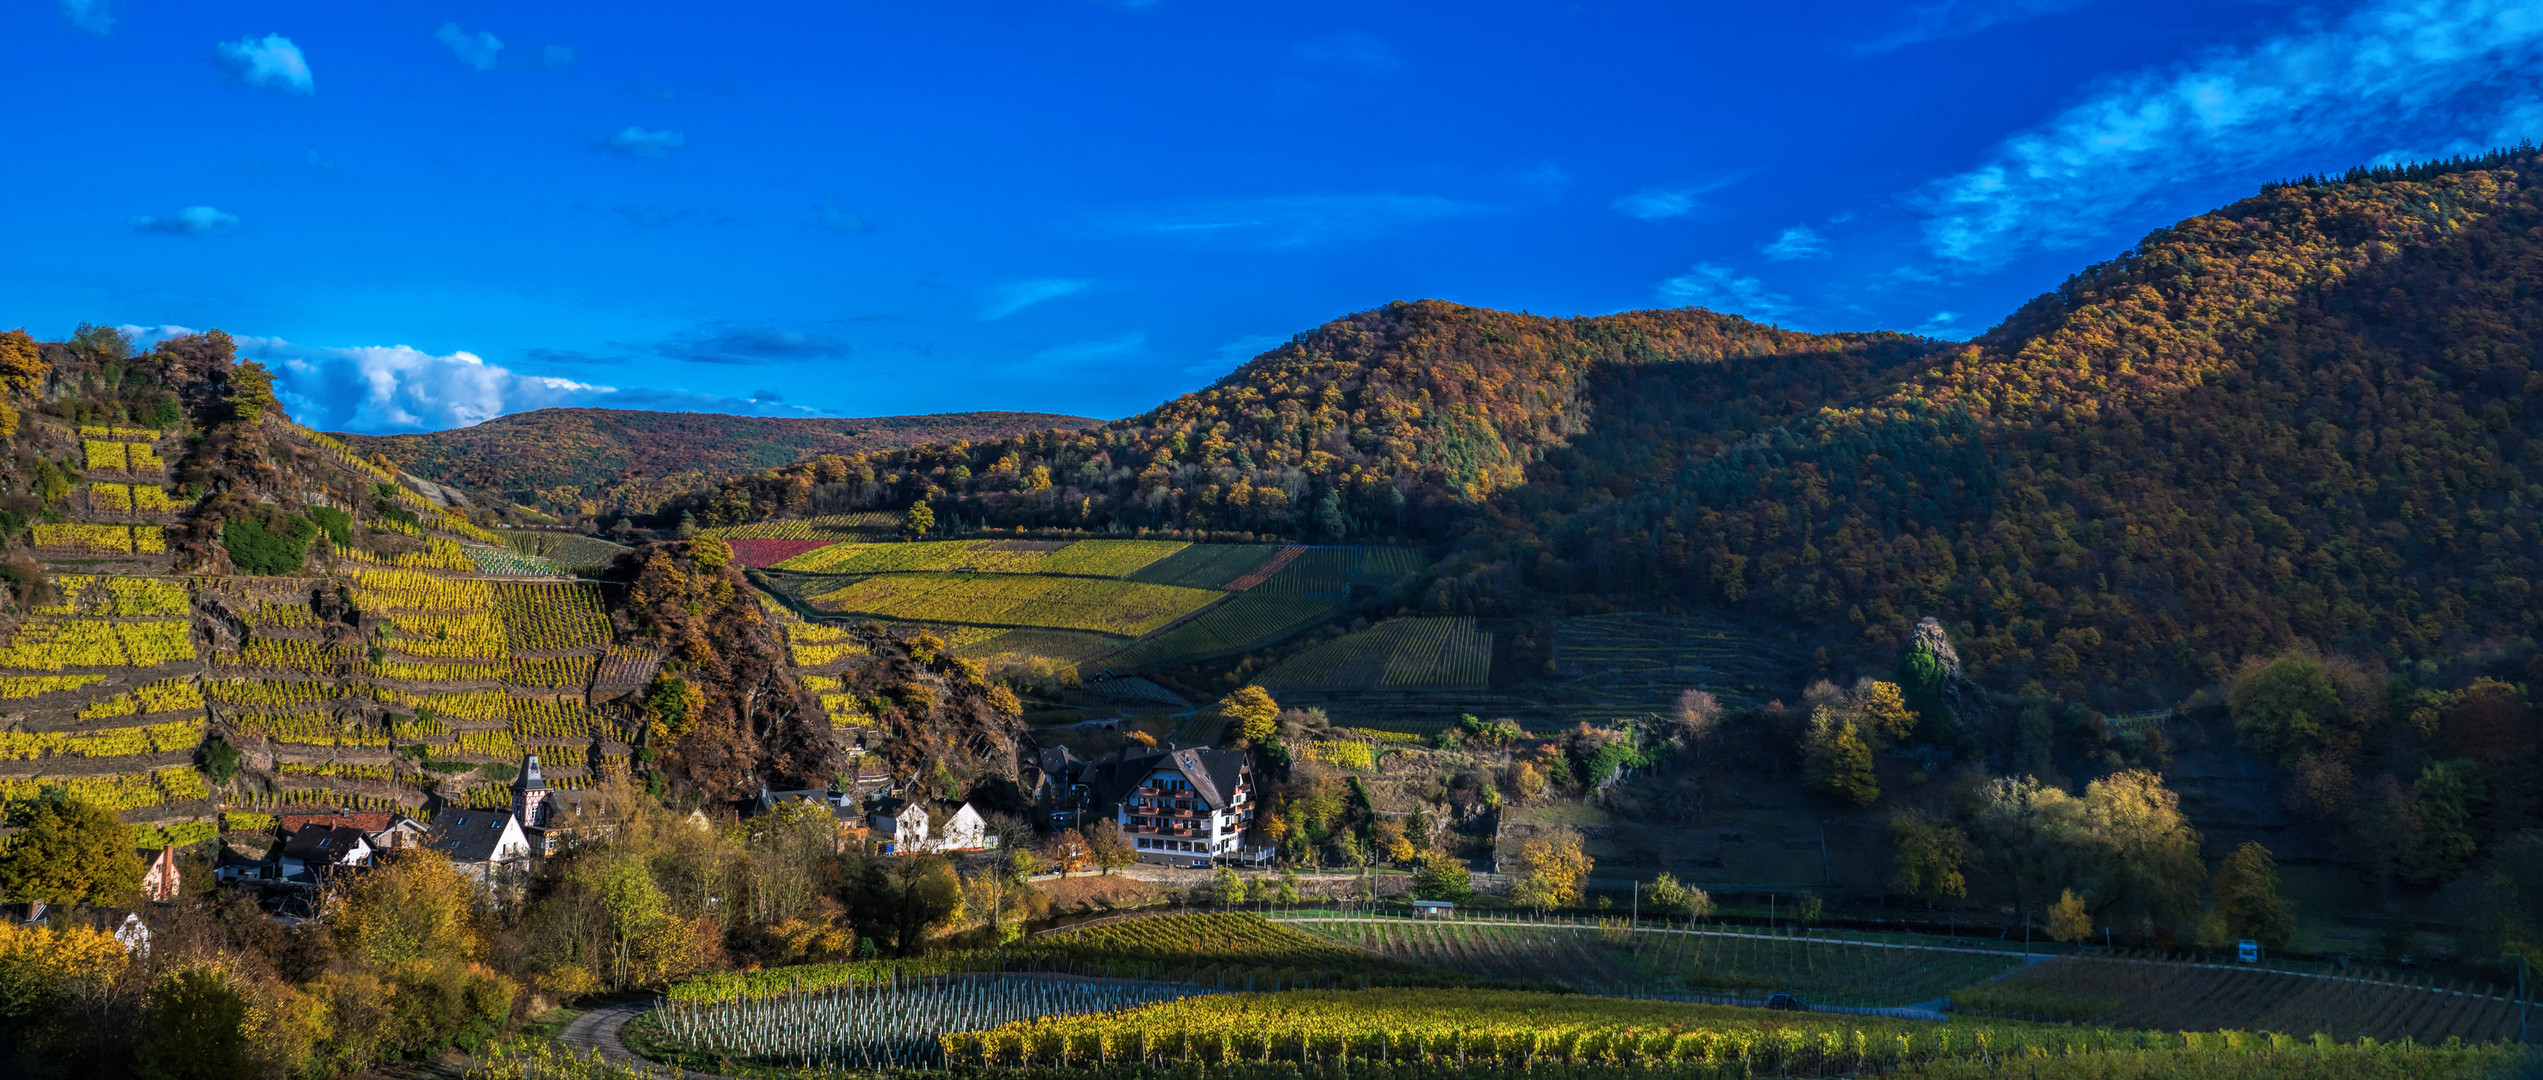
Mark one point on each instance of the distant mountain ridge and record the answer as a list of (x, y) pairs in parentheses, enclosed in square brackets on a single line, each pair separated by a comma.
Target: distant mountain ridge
[(2312, 418), (637, 458)]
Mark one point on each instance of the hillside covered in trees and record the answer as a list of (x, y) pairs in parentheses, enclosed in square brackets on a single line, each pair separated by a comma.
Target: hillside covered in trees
[(594, 461), (2306, 417)]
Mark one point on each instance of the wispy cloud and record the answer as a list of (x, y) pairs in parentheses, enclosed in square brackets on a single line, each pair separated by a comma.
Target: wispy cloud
[(1944, 324), (478, 50), (2397, 72), (271, 61), (751, 345), (94, 16), (1082, 353), (1798, 242), (1718, 288), (1663, 203), (1237, 352), (638, 142), (1960, 18), (191, 221), (1295, 220), (1016, 296)]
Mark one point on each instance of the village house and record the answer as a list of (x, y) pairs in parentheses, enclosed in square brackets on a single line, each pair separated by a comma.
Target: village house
[(1186, 808), (482, 844), (317, 850)]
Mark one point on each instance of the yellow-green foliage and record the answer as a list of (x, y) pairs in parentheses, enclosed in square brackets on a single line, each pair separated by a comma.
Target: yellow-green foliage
[(26, 686), (104, 455), (386, 590), (51, 644), (82, 594), (541, 617), (178, 834), (817, 646), (166, 695), (103, 431), (246, 821), (338, 769), (438, 554), (1348, 753), (128, 791), (105, 742)]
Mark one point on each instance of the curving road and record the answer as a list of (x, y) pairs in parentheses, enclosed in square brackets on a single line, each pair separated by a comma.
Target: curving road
[(597, 1031)]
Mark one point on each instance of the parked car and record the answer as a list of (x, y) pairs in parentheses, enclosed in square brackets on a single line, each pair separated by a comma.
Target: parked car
[(1787, 1002)]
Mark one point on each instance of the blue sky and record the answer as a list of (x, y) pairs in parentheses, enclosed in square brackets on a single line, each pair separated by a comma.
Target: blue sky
[(428, 214)]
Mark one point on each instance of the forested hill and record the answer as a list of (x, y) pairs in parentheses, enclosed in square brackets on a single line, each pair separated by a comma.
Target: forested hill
[(2307, 417), (631, 458)]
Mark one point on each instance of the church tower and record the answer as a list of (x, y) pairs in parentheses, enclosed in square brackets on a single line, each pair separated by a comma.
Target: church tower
[(529, 794)]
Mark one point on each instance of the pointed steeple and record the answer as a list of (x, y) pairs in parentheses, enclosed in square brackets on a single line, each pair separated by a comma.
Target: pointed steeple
[(529, 794)]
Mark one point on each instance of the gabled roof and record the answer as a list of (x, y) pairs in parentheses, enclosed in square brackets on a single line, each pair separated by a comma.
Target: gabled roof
[(323, 844), (469, 835), (1213, 774), (1058, 763)]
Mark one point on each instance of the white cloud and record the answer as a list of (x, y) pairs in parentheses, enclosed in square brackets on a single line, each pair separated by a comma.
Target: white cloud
[(271, 61), (1016, 296), (191, 221), (2395, 72), (1944, 324), (1798, 242), (477, 50), (1718, 288), (94, 16), (1960, 18), (397, 388), (638, 142)]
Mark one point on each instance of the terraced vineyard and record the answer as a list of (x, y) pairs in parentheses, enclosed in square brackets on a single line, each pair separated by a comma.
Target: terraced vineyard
[(1427, 653), (1221, 946), (1635, 664), (871, 525)]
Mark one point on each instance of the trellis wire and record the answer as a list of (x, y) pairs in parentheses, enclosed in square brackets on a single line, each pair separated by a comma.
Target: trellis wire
[(894, 1024)]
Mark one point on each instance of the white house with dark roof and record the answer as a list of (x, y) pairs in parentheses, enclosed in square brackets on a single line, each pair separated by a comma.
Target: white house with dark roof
[(481, 843), (1187, 808)]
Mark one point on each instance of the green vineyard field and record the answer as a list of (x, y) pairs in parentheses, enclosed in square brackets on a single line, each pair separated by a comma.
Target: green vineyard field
[(1205, 566), (1100, 605), (1245, 622), (1398, 654), (2186, 997)]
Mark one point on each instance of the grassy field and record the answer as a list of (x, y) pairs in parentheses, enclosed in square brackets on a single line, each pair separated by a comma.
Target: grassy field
[(2174, 996), (1616, 959), (1398, 654), (1100, 605)]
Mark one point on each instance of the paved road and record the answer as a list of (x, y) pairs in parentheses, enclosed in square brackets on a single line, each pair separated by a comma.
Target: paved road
[(597, 1030)]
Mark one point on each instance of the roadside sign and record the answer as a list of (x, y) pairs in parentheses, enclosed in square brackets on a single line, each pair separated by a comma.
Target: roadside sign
[(2247, 951)]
